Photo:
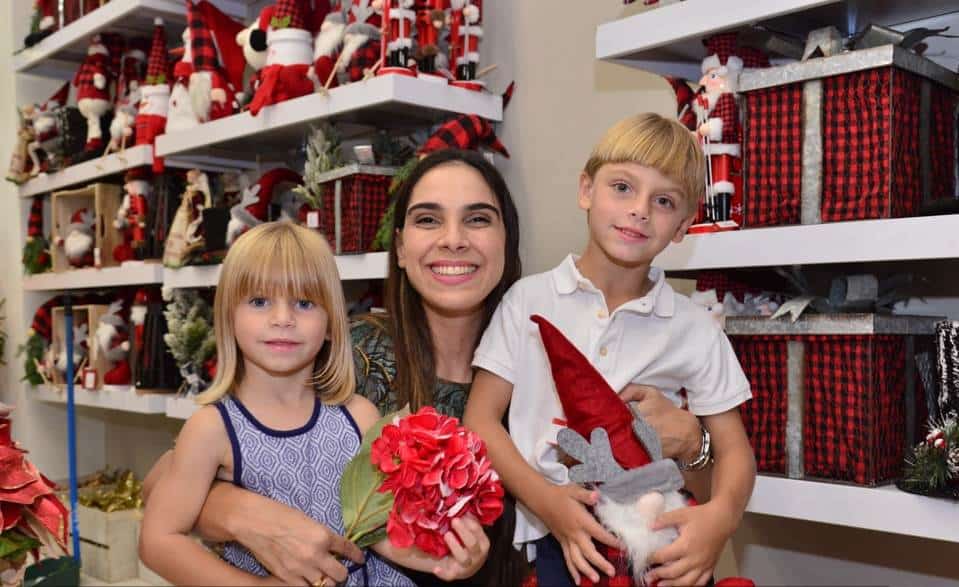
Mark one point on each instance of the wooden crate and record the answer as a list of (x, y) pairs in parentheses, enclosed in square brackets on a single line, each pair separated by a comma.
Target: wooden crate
[(104, 200), (108, 543), (89, 315)]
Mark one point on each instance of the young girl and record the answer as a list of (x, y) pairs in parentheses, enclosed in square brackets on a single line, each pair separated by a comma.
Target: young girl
[(279, 419)]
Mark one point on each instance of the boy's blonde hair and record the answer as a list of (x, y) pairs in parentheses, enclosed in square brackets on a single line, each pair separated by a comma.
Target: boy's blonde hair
[(281, 258), (662, 144)]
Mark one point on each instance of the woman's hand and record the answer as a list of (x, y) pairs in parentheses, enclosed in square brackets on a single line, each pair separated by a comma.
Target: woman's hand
[(678, 429), (469, 548), (564, 511)]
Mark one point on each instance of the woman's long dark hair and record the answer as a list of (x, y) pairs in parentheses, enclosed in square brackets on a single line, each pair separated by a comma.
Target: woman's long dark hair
[(408, 326)]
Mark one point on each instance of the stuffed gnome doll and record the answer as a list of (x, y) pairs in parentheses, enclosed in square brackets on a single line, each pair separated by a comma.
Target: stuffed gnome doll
[(622, 457)]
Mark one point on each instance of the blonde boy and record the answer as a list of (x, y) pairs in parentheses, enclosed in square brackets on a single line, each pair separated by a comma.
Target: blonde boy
[(640, 189)]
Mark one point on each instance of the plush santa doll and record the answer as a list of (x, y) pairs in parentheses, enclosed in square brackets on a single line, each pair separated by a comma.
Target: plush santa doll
[(326, 49), (253, 208), (252, 40), (430, 21), (93, 81), (617, 452), (398, 42), (289, 56), (360, 39), (466, 32), (78, 244), (132, 214), (151, 119), (217, 61), (129, 92), (719, 128), (113, 340)]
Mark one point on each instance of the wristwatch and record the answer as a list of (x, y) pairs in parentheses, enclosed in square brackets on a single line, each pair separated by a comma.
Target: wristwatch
[(704, 457)]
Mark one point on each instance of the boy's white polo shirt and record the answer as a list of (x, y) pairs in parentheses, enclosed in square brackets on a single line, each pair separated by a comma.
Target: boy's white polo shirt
[(661, 339)]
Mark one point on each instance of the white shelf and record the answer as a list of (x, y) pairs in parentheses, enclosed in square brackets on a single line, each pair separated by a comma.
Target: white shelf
[(129, 273), (109, 397), (668, 40), (351, 267), (180, 408), (380, 101), (883, 509), (898, 239)]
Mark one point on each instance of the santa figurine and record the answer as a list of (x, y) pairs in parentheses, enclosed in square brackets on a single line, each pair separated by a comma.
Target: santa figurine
[(151, 119), (129, 92), (289, 56), (93, 81), (326, 49), (719, 129), (132, 214), (252, 41), (361, 39), (78, 244), (397, 49), (466, 31), (253, 208), (430, 20), (113, 341)]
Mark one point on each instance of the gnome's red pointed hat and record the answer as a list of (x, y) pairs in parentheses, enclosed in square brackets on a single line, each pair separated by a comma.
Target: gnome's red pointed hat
[(158, 69), (588, 401), (212, 45)]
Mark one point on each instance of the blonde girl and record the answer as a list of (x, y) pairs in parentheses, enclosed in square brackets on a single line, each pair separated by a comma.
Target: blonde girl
[(280, 419)]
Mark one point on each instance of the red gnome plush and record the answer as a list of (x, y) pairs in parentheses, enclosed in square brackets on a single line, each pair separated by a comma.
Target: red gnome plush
[(289, 56), (620, 454), (113, 340)]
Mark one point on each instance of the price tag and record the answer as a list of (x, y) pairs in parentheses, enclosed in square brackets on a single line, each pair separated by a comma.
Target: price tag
[(313, 219)]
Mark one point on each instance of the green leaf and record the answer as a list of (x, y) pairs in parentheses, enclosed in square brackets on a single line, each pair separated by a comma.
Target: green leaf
[(365, 509), (372, 538), (13, 543), (281, 22)]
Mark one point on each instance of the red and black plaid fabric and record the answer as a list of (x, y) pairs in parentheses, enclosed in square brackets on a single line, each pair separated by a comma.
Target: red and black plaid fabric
[(854, 420), (763, 359), (942, 147), (158, 68), (620, 561), (202, 46), (364, 58), (35, 219), (294, 9), (464, 131), (723, 45), (772, 162), (905, 195), (364, 199), (42, 323), (857, 145), (92, 65), (115, 44), (723, 282)]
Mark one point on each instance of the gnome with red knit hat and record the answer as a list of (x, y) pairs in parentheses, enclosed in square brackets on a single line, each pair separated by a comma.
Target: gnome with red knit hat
[(217, 61), (155, 95), (93, 81), (78, 244), (289, 56), (113, 340), (361, 39), (253, 208)]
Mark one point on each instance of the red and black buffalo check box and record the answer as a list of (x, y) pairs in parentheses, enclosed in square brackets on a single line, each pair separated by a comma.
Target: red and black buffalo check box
[(865, 134), (353, 202), (834, 396)]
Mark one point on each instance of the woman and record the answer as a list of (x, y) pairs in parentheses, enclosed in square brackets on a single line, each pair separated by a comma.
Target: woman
[(455, 252)]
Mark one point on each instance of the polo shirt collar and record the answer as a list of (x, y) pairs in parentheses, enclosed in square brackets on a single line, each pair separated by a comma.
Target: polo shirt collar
[(567, 279)]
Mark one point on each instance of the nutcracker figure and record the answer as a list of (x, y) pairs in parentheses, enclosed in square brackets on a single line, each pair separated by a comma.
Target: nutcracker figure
[(93, 81), (719, 128), (466, 31), (132, 214), (155, 97), (431, 19), (398, 41)]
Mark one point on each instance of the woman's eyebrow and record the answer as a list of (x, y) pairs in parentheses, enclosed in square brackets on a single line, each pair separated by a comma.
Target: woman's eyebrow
[(433, 206), (423, 206), (483, 206)]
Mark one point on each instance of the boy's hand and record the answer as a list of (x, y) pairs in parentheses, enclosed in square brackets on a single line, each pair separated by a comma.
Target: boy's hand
[(575, 529), (691, 558), (469, 548), (678, 429)]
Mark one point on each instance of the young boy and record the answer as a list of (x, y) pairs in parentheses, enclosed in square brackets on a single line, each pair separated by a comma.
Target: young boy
[(640, 189)]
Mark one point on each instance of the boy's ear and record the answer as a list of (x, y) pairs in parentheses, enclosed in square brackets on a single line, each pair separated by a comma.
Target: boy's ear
[(684, 226), (400, 250), (585, 191)]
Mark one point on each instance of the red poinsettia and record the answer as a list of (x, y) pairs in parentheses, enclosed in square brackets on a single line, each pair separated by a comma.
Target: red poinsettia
[(427, 470), (30, 513)]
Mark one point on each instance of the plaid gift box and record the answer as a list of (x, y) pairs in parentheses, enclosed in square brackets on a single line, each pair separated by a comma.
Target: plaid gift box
[(864, 134), (834, 396), (353, 201)]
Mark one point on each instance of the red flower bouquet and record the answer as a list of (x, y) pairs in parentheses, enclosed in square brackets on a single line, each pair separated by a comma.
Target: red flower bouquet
[(414, 475)]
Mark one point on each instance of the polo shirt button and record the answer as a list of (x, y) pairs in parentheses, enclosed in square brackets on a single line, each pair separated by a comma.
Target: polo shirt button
[(602, 352), (601, 314)]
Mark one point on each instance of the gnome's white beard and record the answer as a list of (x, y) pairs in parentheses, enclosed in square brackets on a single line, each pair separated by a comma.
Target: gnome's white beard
[(201, 86), (77, 244), (632, 524), (180, 115)]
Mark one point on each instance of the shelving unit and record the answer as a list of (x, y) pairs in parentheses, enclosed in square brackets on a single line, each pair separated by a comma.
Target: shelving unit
[(667, 40), (129, 273), (119, 398), (351, 267)]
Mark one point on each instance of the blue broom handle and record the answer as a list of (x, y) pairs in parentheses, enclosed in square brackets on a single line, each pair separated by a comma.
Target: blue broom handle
[(71, 429)]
